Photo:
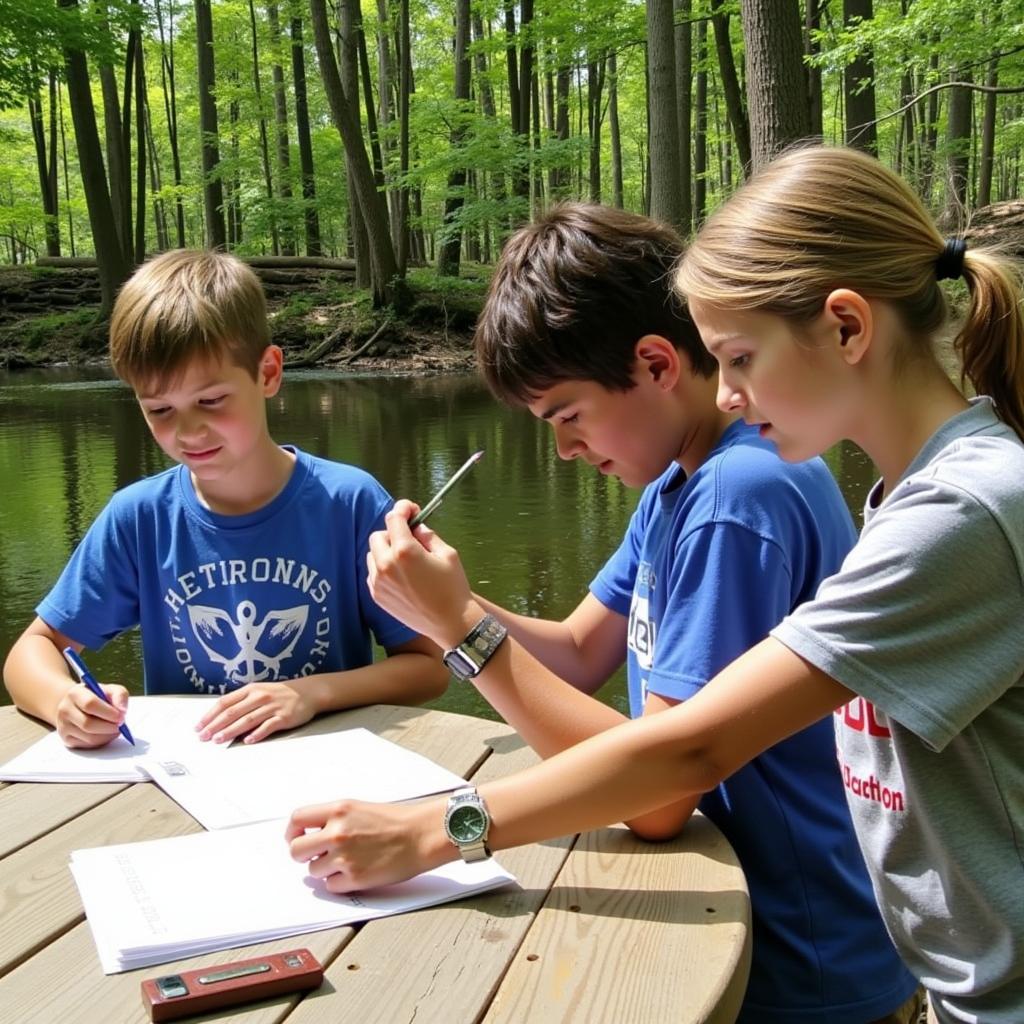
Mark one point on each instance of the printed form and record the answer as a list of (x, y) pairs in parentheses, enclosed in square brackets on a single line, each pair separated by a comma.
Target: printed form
[(151, 902)]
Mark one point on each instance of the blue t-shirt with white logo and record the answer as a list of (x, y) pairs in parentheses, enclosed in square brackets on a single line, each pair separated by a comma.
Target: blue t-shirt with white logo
[(222, 601), (708, 566)]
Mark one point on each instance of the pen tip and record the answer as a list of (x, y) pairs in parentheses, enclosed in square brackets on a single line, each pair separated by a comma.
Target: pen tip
[(477, 455)]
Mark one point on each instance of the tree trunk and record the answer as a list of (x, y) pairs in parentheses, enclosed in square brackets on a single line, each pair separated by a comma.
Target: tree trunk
[(988, 135), (521, 171), (171, 110), (275, 238), (700, 135), (614, 130), (812, 23), (118, 164), (958, 150), (140, 149), (663, 121), (595, 89), (734, 106), (112, 263), (776, 87), (284, 158), (163, 241), (384, 268), (684, 105), (486, 94), (450, 248), (349, 57), (46, 168), (64, 164), (404, 92), (309, 211), (859, 83), (561, 172), (233, 189), (371, 110), (213, 191), (387, 85)]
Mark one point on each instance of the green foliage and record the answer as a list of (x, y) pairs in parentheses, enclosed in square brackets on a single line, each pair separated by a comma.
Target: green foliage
[(915, 44)]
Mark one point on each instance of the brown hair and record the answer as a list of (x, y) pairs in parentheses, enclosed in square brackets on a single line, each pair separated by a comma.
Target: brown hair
[(572, 294), (821, 218), (187, 305)]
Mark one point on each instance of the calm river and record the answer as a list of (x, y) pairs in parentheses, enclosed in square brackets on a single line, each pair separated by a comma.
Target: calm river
[(532, 530)]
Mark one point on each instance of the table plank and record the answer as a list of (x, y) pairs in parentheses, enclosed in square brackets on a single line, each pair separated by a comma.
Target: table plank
[(32, 809), (17, 731), (672, 918), (78, 991), (442, 964), (38, 896), (50, 904)]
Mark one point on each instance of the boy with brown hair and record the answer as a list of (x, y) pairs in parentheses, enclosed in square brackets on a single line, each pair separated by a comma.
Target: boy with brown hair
[(244, 564), (581, 327)]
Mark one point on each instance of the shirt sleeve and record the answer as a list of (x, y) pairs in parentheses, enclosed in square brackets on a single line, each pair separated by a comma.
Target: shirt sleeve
[(924, 618), (371, 509), (613, 585), (96, 597), (728, 587)]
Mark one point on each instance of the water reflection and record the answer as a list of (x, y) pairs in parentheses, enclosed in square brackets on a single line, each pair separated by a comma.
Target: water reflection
[(532, 529)]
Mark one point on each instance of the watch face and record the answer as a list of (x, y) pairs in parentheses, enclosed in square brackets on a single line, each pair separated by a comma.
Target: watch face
[(467, 823)]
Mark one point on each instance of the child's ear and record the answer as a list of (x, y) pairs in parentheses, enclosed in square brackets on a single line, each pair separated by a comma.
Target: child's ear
[(271, 370), (848, 324), (656, 357)]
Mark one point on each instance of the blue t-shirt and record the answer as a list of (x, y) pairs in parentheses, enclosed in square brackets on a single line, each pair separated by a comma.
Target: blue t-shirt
[(274, 594), (708, 566)]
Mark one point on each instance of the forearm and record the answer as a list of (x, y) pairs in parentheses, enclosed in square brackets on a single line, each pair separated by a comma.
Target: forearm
[(545, 710), (408, 677), (36, 676), (623, 773), (552, 643)]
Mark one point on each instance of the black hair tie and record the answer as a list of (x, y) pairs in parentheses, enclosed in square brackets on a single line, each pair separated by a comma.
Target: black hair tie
[(950, 265)]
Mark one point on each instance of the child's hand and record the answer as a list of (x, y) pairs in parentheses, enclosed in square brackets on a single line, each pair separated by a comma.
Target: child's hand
[(85, 721), (353, 845), (256, 709), (418, 578)]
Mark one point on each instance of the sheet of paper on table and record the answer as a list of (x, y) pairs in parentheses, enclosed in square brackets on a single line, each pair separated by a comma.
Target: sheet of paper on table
[(271, 779), (163, 728), (166, 899)]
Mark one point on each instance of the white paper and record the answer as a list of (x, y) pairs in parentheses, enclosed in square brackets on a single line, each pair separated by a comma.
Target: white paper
[(271, 779), (163, 728), (165, 899)]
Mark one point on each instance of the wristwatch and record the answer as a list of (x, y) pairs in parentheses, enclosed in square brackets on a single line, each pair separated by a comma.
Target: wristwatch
[(465, 661), (467, 822)]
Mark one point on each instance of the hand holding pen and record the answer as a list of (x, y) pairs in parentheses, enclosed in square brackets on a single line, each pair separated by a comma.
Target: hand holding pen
[(86, 678), (419, 579)]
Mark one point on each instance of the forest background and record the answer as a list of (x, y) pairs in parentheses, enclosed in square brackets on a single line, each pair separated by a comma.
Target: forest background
[(370, 157)]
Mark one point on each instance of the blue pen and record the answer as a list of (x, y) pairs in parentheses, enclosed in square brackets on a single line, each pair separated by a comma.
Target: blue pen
[(86, 677)]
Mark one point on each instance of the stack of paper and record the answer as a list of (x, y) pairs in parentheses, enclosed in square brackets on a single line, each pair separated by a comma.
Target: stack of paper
[(163, 727), (166, 899), (271, 779)]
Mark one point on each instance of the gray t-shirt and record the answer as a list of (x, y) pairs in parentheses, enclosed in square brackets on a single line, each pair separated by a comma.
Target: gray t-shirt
[(925, 622)]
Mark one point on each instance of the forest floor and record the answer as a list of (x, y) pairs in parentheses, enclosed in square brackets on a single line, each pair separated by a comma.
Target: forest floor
[(50, 317)]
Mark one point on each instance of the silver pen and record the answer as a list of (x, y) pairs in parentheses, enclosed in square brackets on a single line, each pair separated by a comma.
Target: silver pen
[(435, 501)]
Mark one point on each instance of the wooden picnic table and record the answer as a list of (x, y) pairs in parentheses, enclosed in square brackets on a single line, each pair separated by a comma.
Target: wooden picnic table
[(601, 926)]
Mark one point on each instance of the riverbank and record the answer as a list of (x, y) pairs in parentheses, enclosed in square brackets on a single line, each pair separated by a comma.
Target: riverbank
[(49, 316)]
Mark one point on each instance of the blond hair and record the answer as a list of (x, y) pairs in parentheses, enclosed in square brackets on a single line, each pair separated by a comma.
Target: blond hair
[(821, 218), (183, 306)]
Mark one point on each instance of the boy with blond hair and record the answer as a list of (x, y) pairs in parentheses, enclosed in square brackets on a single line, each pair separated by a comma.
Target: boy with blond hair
[(244, 564)]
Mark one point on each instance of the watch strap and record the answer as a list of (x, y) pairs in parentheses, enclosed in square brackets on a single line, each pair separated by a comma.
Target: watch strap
[(467, 659)]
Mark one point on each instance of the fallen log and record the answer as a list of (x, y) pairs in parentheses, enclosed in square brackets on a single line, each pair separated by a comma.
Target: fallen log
[(256, 262)]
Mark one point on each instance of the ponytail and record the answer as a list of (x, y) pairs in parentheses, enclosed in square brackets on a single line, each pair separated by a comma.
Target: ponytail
[(991, 340)]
